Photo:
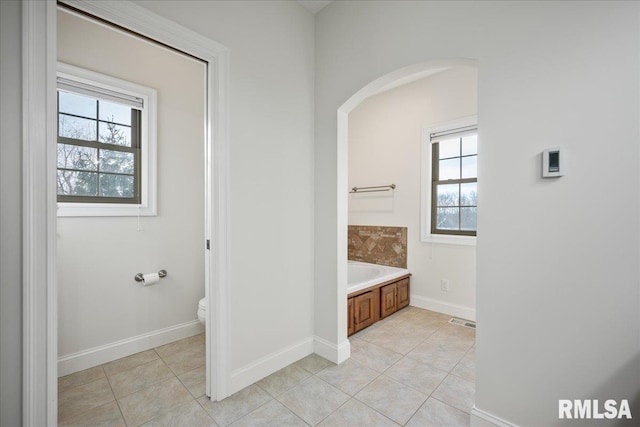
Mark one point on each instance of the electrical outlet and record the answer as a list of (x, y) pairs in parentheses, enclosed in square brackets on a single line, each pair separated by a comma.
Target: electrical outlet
[(444, 285)]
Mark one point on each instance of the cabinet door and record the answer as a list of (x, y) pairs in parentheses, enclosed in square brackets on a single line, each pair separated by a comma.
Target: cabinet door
[(350, 317), (403, 293), (363, 310), (388, 303)]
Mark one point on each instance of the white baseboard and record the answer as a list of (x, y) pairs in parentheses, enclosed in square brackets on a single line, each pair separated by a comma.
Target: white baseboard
[(480, 418), (456, 310), (330, 351), (267, 365), (86, 359)]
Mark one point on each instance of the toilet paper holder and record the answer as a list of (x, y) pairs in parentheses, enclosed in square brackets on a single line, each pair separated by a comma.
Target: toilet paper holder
[(140, 277)]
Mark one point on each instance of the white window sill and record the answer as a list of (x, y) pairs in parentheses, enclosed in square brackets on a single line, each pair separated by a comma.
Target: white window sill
[(449, 239), (103, 209)]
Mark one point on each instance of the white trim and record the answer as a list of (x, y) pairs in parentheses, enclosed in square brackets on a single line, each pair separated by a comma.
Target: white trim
[(456, 310), (148, 146), (95, 356), (39, 399), (425, 189), (255, 371), (480, 418), (342, 150), (330, 351)]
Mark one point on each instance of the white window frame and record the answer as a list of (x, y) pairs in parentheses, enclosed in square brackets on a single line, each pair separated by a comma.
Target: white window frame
[(148, 147), (426, 180)]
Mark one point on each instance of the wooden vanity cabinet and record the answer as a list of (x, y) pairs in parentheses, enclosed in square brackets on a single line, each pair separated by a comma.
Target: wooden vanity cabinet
[(369, 305)]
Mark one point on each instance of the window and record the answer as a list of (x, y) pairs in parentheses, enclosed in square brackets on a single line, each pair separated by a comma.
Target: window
[(450, 171), (106, 145)]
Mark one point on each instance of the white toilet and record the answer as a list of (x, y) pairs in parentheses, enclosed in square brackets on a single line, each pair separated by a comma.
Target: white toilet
[(202, 311)]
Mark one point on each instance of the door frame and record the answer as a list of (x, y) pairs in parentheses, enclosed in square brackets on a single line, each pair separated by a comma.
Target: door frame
[(39, 39)]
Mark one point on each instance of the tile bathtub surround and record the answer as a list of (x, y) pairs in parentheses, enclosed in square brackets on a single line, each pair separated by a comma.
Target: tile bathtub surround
[(427, 380), (378, 245)]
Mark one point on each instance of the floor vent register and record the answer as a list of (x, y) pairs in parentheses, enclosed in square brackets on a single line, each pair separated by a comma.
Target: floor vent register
[(462, 322)]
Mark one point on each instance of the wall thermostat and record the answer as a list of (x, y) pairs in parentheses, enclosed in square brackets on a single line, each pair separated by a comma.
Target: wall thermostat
[(552, 163)]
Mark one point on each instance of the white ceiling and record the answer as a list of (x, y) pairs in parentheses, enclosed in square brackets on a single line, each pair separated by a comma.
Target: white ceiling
[(314, 6)]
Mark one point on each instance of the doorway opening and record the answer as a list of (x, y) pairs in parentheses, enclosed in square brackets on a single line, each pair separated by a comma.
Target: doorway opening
[(40, 286), (365, 164)]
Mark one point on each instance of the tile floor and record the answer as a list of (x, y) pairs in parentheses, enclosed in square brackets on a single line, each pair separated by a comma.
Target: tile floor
[(412, 368)]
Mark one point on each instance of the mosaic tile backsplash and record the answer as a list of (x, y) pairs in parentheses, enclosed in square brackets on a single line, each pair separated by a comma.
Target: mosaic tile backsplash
[(378, 245)]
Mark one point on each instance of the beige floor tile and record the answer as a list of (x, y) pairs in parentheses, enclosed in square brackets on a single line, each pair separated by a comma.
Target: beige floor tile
[(314, 363), (80, 378), (78, 400), (129, 362), (466, 368), (85, 398), (349, 376), (189, 415), (147, 404), (392, 321), (450, 333), (456, 392), (356, 343), (140, 377), (392, 399), (375, 357), (235, 406), (195, 381), (107, 415), (283, 380), (313, 400), (441, 356), (394, 341), (437, 414), (369, 334), (416, 328), (355, 413), (369, 329), (459, 330), (449, 339), (416, 374), (273, 413), (184, 344), (186, 360)]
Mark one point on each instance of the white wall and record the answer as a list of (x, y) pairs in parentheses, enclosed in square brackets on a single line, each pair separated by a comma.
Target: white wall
[(557, 273), (99, 302), (11, 218), (271, 122), (385, 140)]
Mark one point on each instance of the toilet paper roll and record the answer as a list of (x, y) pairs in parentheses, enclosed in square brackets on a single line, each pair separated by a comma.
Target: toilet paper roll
[(150, 279)]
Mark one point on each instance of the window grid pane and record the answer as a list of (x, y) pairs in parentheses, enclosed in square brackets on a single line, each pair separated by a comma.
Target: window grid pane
[(88, 171), (454, 186)]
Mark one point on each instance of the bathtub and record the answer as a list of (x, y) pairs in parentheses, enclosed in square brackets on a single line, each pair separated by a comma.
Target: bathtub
[(361, 275)]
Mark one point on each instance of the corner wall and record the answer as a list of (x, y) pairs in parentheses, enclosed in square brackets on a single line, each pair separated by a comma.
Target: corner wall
[(385, 146), (557, 278), (271, 164)]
